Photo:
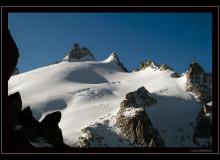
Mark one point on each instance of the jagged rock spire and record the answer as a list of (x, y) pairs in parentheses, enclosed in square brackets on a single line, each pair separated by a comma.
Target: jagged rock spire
[(165, 67), (79, 54), (199, 82), (150, 63), (194, 70)]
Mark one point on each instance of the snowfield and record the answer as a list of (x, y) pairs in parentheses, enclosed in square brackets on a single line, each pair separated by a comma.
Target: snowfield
[(90, 92)]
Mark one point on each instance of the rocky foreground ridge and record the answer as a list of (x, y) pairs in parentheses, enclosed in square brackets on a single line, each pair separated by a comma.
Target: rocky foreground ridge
[(23, 130)]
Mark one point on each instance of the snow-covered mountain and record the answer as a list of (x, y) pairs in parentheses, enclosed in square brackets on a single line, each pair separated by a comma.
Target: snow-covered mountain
[(96, 98)]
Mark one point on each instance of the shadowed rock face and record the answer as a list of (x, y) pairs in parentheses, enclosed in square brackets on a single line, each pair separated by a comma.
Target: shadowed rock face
[(199, 82), (52, 120), (14, 100), (14, 108), (164, 67), (194, 70), (51, 130), (134, 122), (203, 128), (48, 129), (13, 55)]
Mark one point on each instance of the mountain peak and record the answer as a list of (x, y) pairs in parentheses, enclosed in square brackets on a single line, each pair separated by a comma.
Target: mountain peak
[(199, 82), (78, 54), (165, 67), (194, 69), (155, 66), (148, 63), (114, 55), (113, 58)]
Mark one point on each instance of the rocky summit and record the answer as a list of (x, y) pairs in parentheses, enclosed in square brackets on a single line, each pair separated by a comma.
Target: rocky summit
[(79, 54), (199, 83), (153, 65), (148, 63)]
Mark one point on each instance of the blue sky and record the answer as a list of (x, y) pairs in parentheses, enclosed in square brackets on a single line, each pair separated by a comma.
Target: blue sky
[(172, 38)]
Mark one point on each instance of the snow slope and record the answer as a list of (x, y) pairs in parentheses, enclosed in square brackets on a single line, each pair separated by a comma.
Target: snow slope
[(90, 92)]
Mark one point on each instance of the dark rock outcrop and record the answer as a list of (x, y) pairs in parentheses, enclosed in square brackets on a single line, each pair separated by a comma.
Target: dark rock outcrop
[(150, 63), (92, 138), (139, 98), (175, 75), (147, 63), (30, 130), (164, 67), (199, 82), (26, 119), (77, 53), (51, 130), (134, 122), (14, 108), (23, 130), (13, 55), (203, 128), (52, 120)]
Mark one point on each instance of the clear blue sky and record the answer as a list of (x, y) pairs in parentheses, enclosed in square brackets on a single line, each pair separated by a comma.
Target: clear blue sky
[(172, 38)]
